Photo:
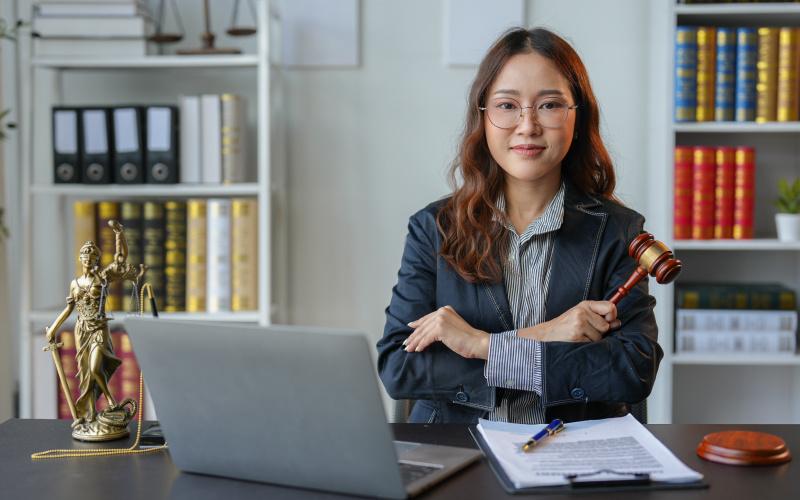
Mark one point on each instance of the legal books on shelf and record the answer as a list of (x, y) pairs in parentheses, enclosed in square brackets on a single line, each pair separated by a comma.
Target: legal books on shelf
[(759, 296), (735, 318), (714, 194), (202, 254), (737, 74), (213, 138), (730, 331)]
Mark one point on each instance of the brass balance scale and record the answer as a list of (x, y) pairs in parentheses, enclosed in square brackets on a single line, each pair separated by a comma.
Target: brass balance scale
[(207, 37)]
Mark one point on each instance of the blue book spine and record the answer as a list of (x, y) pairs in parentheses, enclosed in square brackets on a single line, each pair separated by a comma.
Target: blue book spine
[(725, 75), (685, 73), (746, 73)]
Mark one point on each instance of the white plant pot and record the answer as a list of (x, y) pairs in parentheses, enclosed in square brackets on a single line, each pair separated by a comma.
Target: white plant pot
[(788, 226)]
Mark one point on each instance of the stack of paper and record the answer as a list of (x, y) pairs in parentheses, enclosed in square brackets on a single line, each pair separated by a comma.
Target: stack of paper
[(609, 449)]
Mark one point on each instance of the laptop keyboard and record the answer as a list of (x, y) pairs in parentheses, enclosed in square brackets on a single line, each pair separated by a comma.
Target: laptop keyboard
[(412, 472)]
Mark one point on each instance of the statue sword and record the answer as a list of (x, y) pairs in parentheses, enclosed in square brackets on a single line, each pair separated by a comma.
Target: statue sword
[(53, 347)]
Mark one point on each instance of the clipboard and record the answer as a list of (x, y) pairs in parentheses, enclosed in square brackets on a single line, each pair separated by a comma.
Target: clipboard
[(632, 484)]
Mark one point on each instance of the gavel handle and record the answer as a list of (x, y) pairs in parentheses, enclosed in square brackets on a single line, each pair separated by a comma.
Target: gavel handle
[(636, 277)]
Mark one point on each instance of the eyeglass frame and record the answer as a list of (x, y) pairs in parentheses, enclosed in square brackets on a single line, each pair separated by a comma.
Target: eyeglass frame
[(522, 108)]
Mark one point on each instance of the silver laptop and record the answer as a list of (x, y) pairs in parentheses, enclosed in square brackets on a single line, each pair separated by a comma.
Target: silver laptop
[(286, 405)]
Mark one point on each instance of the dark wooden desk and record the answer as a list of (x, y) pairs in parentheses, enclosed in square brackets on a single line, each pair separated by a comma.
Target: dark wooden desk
[(152, 476)]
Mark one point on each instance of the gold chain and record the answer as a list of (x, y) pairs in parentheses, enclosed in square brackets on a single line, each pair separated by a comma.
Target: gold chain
[(105, 453)]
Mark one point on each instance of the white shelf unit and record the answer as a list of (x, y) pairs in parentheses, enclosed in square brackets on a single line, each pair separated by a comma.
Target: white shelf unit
[(720, 388), (45, 211)]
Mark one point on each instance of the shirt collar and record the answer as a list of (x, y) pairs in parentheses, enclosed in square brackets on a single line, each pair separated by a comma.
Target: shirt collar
[(549, 221)]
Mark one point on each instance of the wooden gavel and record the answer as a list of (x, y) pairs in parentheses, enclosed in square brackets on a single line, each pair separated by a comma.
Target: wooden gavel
[(653, 258)]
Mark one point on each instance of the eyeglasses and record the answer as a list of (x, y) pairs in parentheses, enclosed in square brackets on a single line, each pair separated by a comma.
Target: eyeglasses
[(505, 112)]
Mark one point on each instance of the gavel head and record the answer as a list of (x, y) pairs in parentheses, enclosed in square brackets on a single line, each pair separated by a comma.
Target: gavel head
[(655, 258)]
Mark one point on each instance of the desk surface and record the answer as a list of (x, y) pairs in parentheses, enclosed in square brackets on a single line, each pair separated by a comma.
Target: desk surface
[(153, 476)]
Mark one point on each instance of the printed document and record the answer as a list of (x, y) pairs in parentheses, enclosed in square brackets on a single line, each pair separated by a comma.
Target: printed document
[(608, 449)]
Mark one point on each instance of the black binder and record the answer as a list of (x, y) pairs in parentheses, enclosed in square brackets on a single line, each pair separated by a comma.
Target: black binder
[(129, 145), (67, 145), (632, 483), (96, 154), (162, 151)]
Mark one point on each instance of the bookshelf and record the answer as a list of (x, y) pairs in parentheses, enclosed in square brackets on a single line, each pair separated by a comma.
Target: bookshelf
[(721, 388), (43, 218)]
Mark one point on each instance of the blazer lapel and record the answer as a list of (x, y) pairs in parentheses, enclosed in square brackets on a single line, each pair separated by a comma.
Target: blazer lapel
[(574, 254)]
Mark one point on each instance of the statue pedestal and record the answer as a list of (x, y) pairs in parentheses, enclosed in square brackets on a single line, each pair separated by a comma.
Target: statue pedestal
[(109, 425)]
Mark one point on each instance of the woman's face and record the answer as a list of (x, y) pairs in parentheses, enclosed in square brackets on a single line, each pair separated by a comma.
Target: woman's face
[(528, 152)]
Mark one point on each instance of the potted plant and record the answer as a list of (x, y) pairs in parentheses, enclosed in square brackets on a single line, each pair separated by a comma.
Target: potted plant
[(787, 220)]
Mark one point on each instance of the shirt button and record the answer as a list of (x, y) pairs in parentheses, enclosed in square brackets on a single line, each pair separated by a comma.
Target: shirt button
[(577, 393), (462, 396), (510, 383)]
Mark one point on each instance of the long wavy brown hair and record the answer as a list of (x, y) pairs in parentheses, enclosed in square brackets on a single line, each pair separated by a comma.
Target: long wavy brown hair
[(472, 226)]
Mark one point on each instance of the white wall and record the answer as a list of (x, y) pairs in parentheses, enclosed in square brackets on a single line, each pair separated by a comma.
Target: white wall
[(368, 147)]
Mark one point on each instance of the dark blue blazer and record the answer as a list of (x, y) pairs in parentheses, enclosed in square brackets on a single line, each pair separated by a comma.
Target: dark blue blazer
[(579, 380)]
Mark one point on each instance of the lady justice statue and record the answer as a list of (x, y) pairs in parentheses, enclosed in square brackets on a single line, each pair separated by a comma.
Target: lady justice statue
[(96, 360)]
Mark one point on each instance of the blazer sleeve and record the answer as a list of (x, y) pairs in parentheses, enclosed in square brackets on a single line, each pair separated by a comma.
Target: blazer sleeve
[(437, 373), (622, 366)]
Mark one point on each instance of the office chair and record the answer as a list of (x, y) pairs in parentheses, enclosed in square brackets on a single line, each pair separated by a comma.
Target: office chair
[(401, 409)]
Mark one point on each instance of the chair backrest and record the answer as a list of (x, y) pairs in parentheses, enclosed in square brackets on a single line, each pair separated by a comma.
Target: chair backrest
[(401, 409), (639, 411)]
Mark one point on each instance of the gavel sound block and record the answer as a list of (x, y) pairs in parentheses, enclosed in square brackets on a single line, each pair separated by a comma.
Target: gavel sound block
[(653, 258)]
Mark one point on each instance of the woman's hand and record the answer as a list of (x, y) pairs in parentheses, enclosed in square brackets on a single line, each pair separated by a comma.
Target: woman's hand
[(586, 322), (446, 326)]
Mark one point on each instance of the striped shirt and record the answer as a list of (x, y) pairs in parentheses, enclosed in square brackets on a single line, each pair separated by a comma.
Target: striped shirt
[(514, 364)]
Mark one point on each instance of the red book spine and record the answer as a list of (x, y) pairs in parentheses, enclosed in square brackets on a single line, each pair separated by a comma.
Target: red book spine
[(703, 183), (115, 383), (724, 195), (682, 227), (128, 372), (67, 353), (744, 195)]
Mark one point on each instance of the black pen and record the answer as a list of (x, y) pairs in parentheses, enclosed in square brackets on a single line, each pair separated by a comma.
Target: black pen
[(552, 428)]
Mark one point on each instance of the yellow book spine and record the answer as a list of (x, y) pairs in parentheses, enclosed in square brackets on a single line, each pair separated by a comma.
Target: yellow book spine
[(706, 70), (106, 240), (233, 138), (767, 86), (174, 256), (153, 248), (83, 229), (244, 254), (788, 67), (195, 255)]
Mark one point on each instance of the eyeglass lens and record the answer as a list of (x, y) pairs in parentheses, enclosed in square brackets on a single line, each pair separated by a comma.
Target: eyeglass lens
[(550, 112)]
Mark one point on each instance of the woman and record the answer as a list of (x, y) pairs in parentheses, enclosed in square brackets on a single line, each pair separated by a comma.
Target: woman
[(500, 310)]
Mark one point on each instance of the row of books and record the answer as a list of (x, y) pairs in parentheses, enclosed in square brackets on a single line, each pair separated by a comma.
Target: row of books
[(81, 29), (714, 193), (123, 384), (735, 318), (759, 296), (202, 254), (741, 74), (200, 141), (733, 331)]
